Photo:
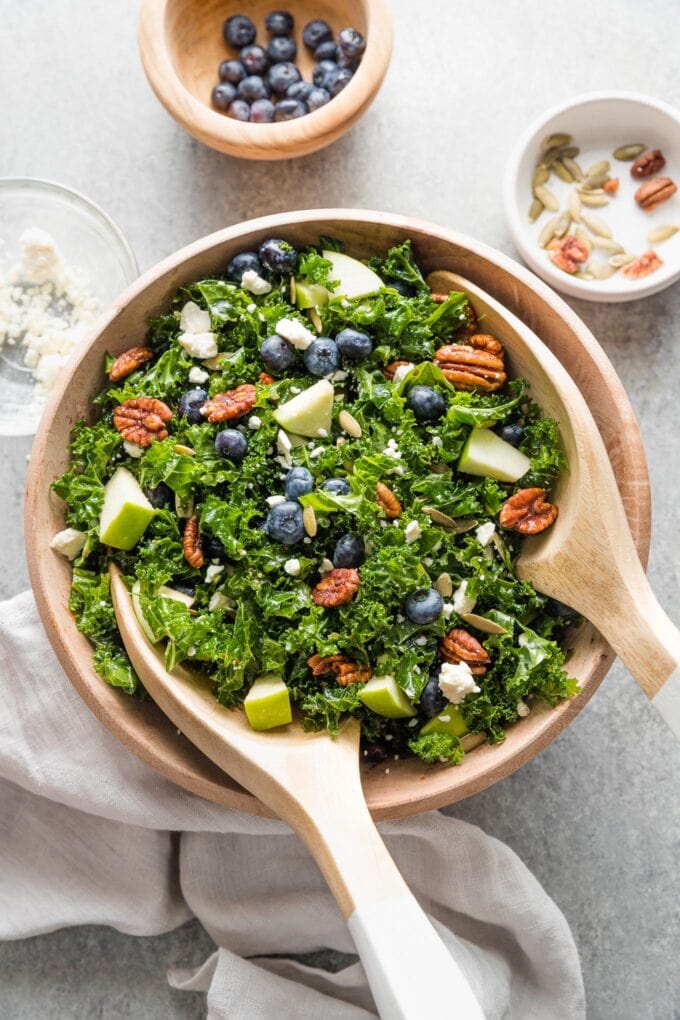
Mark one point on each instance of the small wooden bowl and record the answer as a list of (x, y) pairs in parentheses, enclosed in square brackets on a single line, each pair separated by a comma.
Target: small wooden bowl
[(181, 45), (409, 786)]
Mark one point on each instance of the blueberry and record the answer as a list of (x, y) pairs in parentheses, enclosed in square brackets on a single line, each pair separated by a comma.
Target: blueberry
[(326, 51), (281, 48), (351, 43), (284, 523), (300, 90), (277, 353), (427, 404), (403, 288), (262, 111), (432, 701), (241, 263), (231, 443), (289, 109), (212, 548), (336, 486), (374, 752), (513, 434), (298, 482), (316, 32), (317, 98), (281, 76), (322, 357), (239, 110), (252, 88), (322, 73), (337, 79), (354, 345), (222, 95), (424, 605), (160, 495), (185, 587), (254, 59), (279, 23), (350, 551), (232, 71), (278, 256), (239, 31), (190, 404)]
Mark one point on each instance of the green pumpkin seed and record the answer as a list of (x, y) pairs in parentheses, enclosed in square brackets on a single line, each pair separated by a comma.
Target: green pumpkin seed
[(627, 152), (457, 527), (481, 623), (535, 210), (596, 225), (594, 181), (573, 168), (661, 233), (601, 270), (309, 521), (349, 424), (622, 259), (562, 172), (569, 152), (607, 244), (562, 225), (546, 196), (556, 140), (574, 205), (601, 167), (549, 232), (444, 585), (594, 201), (580, 235), (541, 175)]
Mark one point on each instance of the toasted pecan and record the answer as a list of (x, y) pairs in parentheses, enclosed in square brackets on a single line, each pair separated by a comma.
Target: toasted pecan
[(337, 587), (476, 365), (129, 361), (460, 646), (191, 543), (142, 420), (527, 512), (346, 671), (387, 501), (230, 405)]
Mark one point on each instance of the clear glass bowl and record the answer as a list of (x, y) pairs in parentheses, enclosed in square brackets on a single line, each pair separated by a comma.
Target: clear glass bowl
[(87, 239)]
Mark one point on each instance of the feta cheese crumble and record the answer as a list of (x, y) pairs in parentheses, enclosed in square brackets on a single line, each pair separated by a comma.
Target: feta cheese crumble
[(133, 449), (194, 319), (212, 572), (254, 284), (392, 450), (219, 601), (522, 709), (462, 602), (412, 532), (485, 533), (295, 333), (199, 345), (401, 372), (69, 542), (198, 375), (275, 500), (326, 566), (254, 422), (292, 567), (456, 682)]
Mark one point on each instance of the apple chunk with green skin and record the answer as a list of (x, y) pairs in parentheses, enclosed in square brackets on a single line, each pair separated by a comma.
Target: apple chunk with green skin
[(310, 295), (141, 619), (267, 703), (449, 721), (353, 278), (487, 455), (126, 511), (384, 696), (309, 411)]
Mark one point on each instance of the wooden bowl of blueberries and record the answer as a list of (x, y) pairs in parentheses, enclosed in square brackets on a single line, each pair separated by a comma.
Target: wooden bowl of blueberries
[(260, 83)]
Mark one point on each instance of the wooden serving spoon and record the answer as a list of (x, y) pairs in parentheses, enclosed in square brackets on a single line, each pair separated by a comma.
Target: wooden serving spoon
[(312, 782), (587, 559)]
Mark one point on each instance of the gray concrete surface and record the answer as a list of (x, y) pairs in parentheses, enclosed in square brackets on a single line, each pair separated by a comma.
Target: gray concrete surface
[(596, 815)]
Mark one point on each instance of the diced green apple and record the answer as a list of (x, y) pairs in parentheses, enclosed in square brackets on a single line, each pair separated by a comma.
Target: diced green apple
[(354, 279), (448, 721), (141, 619), (487, 455), (126, 511), (310, 295), (309, 411), (267, 703), (384, 696)]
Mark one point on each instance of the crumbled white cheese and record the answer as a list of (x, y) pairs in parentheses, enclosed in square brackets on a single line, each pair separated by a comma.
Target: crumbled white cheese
[(69, 542), (219, 601), (412, 532), (448, 610), (198, 375), (522, 709), (437, 441), (485, 533), (212, 572), (292, 567), (326, 566), (456, 681), (199, 345), (317, 451), (283, 445), (295, 333), (253, 283), (133, 449), (254, 422), (339, 376), (401, 372), (322, 433), (252, 307), (462, 602), (392, 450), (194, 319), (295, 390), (422, 640), (275, 500)]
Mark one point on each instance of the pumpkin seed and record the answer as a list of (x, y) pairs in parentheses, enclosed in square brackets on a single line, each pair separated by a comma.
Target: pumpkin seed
[(548, 232), (582, 236), (627, 152), (595, 181), (594, 201), (583, 274), (444, 585), (596, 225), (573, 167), (562, 172), (661, 233), (349, 423), (457, 527), (621, 260), (601, 270), (569, 152), (546, 196), (535, 210), (481, 623), (562, 225), (293, 290), (309, 521), (556, 140), (541, 175), (316, 320), (607, 244), (574, 205), (179, 448), (601, 167)]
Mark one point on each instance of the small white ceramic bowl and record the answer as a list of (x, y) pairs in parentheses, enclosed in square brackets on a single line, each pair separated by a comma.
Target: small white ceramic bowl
[(600, 122)]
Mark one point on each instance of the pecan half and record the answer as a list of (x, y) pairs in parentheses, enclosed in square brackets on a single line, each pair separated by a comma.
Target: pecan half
[(476, 366), (390, 370), (653, 192), (266, 379), (647, 164), (611, 186), (191, 543), (643, 265), (387, 501), (568, 253), (460, 646), (230, 405), (527, 512), (346, 671), (336, 588), (129, 361), (472, 321), (142, 420)]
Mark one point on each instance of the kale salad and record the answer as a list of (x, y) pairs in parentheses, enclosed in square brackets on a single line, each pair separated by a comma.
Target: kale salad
[(315, 476)]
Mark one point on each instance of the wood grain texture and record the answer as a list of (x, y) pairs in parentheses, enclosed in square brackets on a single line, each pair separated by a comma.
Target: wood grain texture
[(181, 47), (410, 786)]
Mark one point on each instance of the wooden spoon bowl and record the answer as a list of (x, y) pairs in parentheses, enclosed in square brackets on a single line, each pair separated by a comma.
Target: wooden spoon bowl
[(181, 46), (409, 786)]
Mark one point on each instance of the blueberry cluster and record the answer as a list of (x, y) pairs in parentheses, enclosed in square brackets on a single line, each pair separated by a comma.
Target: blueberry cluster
[(264, 84)]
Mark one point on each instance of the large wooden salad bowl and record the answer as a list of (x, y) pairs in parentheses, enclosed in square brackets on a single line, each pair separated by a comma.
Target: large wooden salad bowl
[(409, 786)]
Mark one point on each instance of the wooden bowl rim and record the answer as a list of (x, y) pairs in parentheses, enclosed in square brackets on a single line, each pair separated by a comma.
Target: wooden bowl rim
[(158, 749), (305, 134)]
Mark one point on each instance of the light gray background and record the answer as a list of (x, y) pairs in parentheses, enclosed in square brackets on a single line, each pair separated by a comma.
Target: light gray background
[(596, 815)]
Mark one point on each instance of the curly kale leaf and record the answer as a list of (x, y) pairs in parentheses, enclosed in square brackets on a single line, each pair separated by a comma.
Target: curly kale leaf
[(399, 264), (438, 748), (314, 268), (543, 447)]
